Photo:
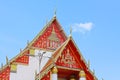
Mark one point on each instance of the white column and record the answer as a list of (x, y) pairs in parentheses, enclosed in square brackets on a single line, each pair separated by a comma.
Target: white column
[(54, 76), (82, 75), (82, 78), (54, 73)]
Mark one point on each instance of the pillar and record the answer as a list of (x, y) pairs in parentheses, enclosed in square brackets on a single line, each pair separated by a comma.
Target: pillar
[(82, 75), (54, 73)]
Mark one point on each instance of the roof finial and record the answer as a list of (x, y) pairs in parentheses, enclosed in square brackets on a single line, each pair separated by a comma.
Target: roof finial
[(1, 65), (88, 63), (7, 60), (20, 50), (55, 13), (46, 21), (27, 42), (93, 71), (70, 31)]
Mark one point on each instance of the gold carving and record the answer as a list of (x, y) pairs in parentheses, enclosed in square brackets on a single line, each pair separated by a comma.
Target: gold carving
[(53, 36), (67, 58), (53, 40)]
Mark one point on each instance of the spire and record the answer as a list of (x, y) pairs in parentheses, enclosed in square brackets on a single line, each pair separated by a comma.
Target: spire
[(55, 13), (7, 60), (70, 31)]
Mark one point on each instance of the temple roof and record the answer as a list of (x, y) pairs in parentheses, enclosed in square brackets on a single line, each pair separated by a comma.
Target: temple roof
[(30, 45), (59, 51), (52, 31), (51, 34)]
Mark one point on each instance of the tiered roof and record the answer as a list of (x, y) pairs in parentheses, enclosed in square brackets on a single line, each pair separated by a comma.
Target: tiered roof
[(51, 38)]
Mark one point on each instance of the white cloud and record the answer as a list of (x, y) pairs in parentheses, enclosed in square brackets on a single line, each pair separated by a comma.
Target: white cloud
[(82, 27)]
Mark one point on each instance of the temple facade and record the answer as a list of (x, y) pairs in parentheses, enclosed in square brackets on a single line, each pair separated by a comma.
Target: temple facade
[(51, 55)]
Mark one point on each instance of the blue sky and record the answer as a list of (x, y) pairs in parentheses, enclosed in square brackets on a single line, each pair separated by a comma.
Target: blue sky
[(97, 34)]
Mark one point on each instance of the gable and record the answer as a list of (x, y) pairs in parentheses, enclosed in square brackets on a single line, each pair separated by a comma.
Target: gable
[(51, 37), (69, 57)]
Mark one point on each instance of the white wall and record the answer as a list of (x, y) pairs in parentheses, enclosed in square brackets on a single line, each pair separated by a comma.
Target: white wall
[(27, 72)]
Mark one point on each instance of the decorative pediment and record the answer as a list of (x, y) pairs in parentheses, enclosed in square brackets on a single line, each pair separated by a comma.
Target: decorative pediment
[(51, 37), (68, 59)]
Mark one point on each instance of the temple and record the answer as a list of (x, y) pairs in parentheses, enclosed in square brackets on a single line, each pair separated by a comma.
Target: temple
[(51, 55)]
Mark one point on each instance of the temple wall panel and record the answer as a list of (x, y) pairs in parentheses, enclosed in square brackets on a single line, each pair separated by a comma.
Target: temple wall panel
[(27, 72)]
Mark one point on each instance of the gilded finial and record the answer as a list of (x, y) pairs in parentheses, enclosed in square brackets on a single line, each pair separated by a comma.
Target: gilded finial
[(55, 13), (7, 60), (88, 63)]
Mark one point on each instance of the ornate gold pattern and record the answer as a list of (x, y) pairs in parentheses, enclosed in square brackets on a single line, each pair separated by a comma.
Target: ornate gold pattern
[(67, 58), (53, 36)]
